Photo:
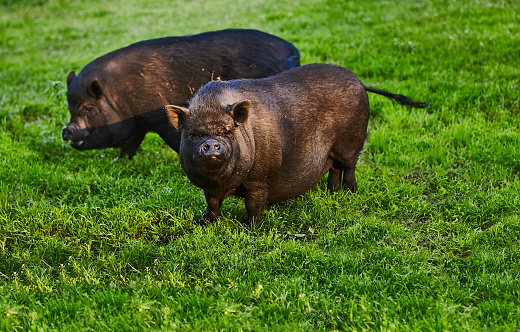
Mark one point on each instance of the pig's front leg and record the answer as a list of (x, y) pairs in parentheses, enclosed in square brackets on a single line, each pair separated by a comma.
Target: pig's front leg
[(256, 198), (131, 145), (213, 208)]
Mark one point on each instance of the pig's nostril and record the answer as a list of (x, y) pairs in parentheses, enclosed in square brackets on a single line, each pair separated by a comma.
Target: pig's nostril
[(66, 134)]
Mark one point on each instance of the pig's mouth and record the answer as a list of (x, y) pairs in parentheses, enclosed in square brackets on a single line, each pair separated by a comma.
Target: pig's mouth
[(76, 144), (212, 163), (81, 144)]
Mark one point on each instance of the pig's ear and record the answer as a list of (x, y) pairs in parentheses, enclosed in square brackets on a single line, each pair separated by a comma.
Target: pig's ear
[(71, 76), (240, 111), (95, 90), (176, 114)]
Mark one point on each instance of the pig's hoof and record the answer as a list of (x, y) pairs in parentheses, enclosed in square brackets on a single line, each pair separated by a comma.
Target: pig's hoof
[(254, 223)]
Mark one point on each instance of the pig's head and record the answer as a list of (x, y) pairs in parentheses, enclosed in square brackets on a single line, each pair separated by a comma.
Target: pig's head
[(96, 118), (217, 148)]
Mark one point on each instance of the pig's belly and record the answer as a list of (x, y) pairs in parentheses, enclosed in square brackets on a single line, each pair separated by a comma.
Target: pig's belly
[(297, 179)]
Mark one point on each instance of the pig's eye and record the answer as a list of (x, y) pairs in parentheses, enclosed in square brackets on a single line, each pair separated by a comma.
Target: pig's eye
[(89, 111)]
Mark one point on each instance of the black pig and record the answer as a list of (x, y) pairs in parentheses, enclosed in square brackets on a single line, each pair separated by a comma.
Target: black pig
[(117, 98), (272, 139)]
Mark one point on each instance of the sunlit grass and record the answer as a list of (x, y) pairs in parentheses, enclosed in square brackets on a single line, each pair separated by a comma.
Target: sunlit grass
[(429, 242)]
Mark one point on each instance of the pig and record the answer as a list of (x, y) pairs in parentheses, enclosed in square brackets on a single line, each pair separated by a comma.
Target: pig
[(117, 98), (272, 139)]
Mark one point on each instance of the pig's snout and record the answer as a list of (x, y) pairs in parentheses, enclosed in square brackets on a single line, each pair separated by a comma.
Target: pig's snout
[(72, 133), (211, 155), (66, 134), (211, 149), (75, 137)]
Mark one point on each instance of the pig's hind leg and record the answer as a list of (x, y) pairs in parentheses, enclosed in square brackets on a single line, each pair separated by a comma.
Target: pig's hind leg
[(334, 177), (349, 178), (341, 176), (343, 171)]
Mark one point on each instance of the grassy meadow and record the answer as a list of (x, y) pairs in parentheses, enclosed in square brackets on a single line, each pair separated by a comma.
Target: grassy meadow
[(430, 242)]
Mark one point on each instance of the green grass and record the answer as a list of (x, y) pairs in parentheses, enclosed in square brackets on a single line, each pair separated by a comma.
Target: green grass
[(430, 242)]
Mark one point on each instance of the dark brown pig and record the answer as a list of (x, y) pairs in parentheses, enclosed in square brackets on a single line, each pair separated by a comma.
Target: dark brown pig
[(272, 139), (117, 98)]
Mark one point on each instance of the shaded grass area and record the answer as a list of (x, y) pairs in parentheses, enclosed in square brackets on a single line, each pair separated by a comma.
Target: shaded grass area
[(429, 242)]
